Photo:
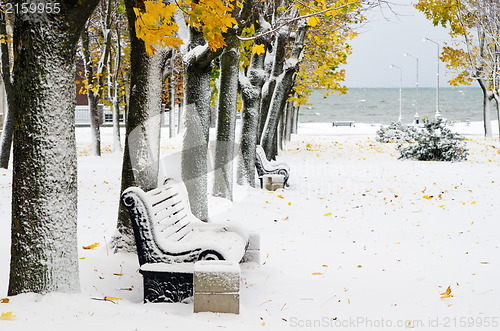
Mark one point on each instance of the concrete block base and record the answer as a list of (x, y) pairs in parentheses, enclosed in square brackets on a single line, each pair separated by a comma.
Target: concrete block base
[(272, 182), (216, 287)]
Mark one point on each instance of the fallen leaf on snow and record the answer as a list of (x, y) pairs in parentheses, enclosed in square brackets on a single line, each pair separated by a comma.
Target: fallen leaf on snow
[(447, 293), (7, 316), (317, 273), (91, 246), (328, 214), (111, 299), (5, 300)]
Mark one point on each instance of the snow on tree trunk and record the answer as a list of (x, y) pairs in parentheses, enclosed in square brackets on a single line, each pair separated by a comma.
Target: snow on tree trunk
[(8, 116), (487, 96), (226, 119), (6, 136), (142, 141), (171, 99), (44, 254), (289, 120), (195, 140), (117, 145), (284, 84), (295, 118), (197, 70), (251, 88), (115, 89), (283, 87), (95, 129)]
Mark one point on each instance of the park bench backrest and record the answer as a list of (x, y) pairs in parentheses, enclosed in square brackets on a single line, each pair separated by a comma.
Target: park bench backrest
[(169, 212), (261, 157)]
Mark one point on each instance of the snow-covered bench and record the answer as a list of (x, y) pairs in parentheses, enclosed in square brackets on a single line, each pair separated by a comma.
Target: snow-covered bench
[(170, 239), (264, 166), (343, 123)]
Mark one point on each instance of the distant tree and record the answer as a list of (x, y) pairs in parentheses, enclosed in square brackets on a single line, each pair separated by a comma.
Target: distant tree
[(96, 48), (6, 23), (44, 254), (474, 55)]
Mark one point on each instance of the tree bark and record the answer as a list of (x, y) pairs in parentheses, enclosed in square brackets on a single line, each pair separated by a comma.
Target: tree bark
[(115, 100), (226, 119), (197, 69), (250, 90), (143, 127), (44, 254), (283, 88), (487, 96), (8, 120)]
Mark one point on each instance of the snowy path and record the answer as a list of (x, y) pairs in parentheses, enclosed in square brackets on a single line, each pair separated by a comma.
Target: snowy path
[(359, 237)]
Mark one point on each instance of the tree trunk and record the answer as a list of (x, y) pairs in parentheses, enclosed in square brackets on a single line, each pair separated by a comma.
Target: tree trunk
[(171, 100), (197, 70), (8, 116), (283, 87), (195, 140), (250, 90), (282, 91), (295, 119), (44, 253), (115, 101), (95, 128), (487, 96), (143, 127), (226, 119), (6, 137)]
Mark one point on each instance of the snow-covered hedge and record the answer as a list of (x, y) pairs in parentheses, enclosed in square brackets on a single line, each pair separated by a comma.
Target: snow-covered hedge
[(435, 142), (395, 133)]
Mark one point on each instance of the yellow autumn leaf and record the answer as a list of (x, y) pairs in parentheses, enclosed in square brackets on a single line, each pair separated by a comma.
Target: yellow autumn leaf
[(427, 196), (7, 316), (328, 214), (5, 300), (313, 21), (447, 293), (91, 246), (280, 196), (118, 274), (317, 273), (111, 299), (258, 49)]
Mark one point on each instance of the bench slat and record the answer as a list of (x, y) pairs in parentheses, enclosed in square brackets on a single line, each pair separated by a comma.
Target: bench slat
[(166, 204), (176, 230)]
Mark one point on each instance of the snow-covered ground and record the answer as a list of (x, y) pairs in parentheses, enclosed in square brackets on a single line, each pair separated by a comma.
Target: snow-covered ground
[(359, 240)]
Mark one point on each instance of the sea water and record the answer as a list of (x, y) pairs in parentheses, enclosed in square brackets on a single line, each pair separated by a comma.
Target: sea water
[(381, 105)]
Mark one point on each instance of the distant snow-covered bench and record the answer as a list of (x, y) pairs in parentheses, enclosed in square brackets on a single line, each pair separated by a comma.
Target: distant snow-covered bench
[(343, 123), (170, 239), (264, 166)]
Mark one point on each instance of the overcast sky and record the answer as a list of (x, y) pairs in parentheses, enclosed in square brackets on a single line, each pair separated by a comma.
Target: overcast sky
[(381, 43)]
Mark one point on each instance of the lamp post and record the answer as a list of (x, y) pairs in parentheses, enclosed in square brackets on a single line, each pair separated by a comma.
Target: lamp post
[(438, 114), (400, 89), (417, 118)]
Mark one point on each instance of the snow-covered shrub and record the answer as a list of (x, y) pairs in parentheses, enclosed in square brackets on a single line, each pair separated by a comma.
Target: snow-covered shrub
[(395, 133), (435, 142)]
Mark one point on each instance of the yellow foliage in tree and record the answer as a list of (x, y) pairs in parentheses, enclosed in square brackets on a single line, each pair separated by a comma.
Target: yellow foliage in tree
[(259, 49), (155, 25)]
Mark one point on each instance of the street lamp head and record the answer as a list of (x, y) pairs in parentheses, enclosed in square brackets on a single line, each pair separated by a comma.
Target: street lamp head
[(391, 66), (405, 54), (424, 39)]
